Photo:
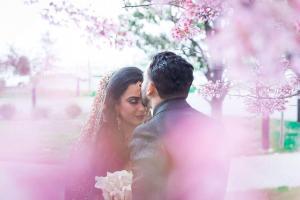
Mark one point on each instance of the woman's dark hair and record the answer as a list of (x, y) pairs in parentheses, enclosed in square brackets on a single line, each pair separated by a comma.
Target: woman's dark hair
[(116, 87), (171, 74)]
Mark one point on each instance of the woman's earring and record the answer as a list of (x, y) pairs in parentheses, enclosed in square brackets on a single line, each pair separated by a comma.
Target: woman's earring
[(118, 123), (148, 115)]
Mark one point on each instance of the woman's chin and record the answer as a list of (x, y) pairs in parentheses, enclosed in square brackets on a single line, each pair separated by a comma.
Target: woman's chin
[(138, 121)]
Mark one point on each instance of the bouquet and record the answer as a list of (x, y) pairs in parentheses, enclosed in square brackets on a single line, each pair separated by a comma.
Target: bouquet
[(116, 185)]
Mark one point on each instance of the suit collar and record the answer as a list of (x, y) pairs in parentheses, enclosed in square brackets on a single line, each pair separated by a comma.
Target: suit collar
[(170, 104)]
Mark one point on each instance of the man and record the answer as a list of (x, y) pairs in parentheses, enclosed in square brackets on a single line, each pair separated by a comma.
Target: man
[(170, 153)]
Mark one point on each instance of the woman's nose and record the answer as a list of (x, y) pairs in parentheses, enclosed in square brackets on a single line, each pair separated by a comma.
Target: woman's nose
[(141, 107)]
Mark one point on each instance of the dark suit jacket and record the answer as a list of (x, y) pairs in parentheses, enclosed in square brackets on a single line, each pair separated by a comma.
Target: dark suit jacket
[(166, 156)]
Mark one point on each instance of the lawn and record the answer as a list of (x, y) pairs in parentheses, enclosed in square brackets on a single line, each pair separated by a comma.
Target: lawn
[(39, 141)]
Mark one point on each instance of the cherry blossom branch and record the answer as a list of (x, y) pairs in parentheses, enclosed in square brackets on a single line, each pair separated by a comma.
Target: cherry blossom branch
[(263, 97)]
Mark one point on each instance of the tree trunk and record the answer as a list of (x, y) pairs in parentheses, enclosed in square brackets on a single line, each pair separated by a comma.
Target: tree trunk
[(77, 87), (215, 74), (265, 132), (33, 96), (216, 105), (298, 109)]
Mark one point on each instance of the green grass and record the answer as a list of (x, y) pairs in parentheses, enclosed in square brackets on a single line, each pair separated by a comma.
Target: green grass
[(291, 138), (280, 193), (44, 141), (284, 193)]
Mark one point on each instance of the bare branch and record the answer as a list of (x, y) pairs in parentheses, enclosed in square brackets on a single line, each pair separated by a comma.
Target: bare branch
[(137, 6), (148, 5)]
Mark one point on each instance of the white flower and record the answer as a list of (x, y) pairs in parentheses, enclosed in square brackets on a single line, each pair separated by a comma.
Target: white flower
[(116, 184)]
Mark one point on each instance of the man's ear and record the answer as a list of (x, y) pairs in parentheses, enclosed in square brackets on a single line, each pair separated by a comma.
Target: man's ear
[(151, 89)]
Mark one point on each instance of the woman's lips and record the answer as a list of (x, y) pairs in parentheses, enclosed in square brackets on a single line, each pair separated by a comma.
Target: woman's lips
[(140, 117)]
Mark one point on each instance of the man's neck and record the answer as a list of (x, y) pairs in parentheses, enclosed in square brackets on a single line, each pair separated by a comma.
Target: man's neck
[(155, 102)]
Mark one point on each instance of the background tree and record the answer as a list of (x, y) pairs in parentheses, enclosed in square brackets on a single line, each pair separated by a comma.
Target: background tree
[(16, 62), (152, 26), (255, 59), (48, 57), (252, 59), (81, 16)]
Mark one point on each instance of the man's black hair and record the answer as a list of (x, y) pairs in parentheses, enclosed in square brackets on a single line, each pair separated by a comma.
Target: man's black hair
[(171, 74)]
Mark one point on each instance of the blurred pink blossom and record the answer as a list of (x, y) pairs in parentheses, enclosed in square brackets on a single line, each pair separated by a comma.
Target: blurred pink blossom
[(192, 14), (252, 54), (213, 90), (266, 99)]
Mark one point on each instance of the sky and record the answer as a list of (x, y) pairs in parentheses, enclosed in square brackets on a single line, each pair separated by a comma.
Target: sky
[(22, 27)]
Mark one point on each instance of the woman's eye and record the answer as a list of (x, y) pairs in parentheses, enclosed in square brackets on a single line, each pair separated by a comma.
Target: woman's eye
[(133, 101)]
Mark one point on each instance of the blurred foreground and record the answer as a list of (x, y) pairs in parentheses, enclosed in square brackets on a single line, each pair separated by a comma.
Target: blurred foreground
[(35, 142)]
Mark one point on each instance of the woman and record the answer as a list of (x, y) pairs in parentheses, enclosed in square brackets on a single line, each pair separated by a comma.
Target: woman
[(103, 146)]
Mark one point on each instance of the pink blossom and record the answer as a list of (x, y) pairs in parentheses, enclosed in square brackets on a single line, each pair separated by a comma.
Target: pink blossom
[(184, 29), (213, 90), (248, 49), (266, 99), (192, 14), (265, 106), (96, 29)]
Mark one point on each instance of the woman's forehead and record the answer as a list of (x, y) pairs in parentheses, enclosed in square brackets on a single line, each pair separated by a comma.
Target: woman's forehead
[(133, 90)]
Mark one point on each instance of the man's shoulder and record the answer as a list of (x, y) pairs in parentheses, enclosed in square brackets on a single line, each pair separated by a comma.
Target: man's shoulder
[(147, 125), (203, 117), (188, 113), (147, 128)]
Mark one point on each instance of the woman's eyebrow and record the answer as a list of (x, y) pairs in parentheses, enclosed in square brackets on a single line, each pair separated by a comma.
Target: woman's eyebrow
[(134, 97)]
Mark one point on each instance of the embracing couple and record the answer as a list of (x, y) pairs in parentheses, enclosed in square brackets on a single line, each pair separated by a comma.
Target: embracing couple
[(174, 152)]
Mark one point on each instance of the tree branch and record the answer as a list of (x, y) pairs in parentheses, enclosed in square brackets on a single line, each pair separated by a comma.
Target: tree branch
[(150, 4), (137, 6), (259, 97)]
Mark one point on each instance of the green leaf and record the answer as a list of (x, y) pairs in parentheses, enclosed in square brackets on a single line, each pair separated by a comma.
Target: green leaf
[(138, 15), (283, 189)]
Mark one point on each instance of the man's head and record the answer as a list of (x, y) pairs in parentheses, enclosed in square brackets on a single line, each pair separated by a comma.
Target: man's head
[(168, 76)]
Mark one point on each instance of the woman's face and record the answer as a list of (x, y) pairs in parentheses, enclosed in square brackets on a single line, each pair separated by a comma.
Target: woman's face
[(130, 107)]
